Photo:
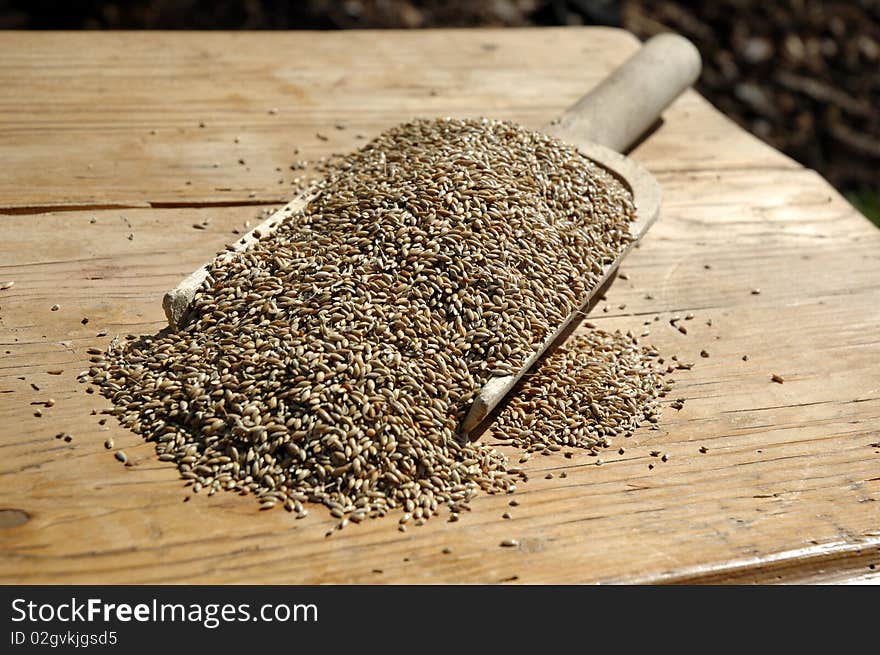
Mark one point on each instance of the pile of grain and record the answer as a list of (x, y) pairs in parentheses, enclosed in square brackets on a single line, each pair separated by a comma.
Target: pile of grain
[(333, 361), (596, 387)]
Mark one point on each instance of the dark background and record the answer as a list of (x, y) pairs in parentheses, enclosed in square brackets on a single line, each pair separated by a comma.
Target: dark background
[(804, 75)]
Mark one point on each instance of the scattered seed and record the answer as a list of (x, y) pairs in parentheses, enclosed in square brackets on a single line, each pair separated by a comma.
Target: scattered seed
[(6, 285), (108, 444), (38, 413), (121, 456), (756, 292), (704, 353), (55, 371), (509, 543), (745, 358), (55, 307), (447, 551), (506, 515), (704, 450), (777, 378), (682, 329)]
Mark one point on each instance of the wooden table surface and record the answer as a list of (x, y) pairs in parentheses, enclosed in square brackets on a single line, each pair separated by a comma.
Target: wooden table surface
[(114, 144)]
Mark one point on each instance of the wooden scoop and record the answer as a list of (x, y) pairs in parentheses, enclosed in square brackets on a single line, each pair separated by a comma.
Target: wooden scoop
[(603, 123), (607, 121)]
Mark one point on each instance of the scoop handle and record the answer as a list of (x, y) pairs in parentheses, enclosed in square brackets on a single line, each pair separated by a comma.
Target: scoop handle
[(630, 100)]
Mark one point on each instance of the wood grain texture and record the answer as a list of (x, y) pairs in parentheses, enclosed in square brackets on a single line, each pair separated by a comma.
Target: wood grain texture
[(97, 119), (786, 491)]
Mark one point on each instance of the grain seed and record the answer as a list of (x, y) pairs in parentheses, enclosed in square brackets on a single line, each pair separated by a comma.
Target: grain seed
[(333, 360)]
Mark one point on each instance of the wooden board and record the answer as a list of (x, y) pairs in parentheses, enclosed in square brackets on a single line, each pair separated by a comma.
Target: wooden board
[(113, 119), (787, 490)]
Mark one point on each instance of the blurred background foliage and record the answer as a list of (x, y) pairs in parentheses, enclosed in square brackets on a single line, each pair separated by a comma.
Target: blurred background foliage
[(803, 75)]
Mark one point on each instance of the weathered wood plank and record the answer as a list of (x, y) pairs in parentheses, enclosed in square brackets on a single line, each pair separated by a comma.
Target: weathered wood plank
[(113, 119), (787, 488)]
